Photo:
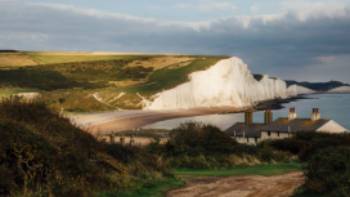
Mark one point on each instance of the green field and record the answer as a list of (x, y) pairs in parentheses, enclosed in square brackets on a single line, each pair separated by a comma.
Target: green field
[(155, 189), (77, 81), (159, 188), (18, 59)]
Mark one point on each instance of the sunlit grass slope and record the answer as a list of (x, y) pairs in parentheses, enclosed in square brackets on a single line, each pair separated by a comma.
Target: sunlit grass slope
[(80, 81)]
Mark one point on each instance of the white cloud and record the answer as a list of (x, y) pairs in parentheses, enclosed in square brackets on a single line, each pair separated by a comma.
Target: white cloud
[(209, 6), (305, 9), (326, 59), (270, 43), (92, 12)]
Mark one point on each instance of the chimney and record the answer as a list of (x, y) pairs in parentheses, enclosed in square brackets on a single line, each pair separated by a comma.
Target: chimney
[(248, 119), (315, 115), (268, 116), (292, 114)]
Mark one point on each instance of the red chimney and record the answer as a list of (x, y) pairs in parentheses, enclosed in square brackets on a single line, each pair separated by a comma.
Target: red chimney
[(315, 115), (268, 116), (292, 114), (248, 117)]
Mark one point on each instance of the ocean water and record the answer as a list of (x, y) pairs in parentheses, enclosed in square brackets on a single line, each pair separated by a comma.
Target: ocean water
[(332, 106)]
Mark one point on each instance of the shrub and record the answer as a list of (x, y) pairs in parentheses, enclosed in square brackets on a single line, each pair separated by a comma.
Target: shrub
[(328, 171), (43, 154), (195, 139), (306, 144)]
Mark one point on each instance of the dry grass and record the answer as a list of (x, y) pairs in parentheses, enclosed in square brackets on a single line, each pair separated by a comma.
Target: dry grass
[(125, 83), (15, 59), (162, 62), (66, 57)]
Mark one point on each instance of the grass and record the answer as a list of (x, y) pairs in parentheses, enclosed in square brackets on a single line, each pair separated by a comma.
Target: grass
[(264, 170), (36, 79), (19, 59), (159, 188), (155, 189), (167, 78), (77, 75), (6, 92)]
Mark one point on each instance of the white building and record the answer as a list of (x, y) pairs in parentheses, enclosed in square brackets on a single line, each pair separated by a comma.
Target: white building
[(252, 133)]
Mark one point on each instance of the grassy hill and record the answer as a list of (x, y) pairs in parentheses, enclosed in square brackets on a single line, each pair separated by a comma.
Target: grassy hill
[(42, 154), (80, 81)]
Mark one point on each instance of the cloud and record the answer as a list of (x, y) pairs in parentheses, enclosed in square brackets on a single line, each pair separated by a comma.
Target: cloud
[(282, 44), (306, 9), (209, 6)]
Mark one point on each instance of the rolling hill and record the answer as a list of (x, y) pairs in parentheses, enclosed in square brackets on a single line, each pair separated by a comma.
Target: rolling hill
[(79, 81), (98, 81)]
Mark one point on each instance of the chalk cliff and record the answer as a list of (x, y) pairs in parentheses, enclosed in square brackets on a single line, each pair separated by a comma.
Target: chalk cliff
[(227, 83)]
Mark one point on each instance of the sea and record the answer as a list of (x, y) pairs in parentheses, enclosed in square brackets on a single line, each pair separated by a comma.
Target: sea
[(332, 106)]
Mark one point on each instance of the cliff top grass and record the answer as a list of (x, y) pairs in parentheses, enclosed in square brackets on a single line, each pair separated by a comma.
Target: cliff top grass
[(100, 81)]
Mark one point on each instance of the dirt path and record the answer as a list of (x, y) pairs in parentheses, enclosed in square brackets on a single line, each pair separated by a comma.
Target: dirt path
[(243, 186)]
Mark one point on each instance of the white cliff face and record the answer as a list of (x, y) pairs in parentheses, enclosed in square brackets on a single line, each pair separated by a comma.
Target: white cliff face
[(227, 83), (342, 89), (295, 90)]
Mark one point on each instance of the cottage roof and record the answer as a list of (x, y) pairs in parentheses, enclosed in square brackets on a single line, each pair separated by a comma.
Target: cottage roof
[(295, 125), (279, 125), (245, 130)]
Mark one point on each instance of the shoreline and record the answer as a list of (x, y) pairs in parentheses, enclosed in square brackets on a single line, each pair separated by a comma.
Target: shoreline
[(113, 122), (105, 123)]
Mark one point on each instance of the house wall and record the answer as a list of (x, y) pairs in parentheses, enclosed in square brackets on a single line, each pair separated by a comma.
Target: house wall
[(265, 135), (244, 140), (137, 141), (331, 127)]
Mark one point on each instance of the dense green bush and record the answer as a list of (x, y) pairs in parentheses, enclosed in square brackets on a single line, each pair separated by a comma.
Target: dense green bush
[(306, 144), (42, 154), (195, 139), (328, 171), (194, 145)]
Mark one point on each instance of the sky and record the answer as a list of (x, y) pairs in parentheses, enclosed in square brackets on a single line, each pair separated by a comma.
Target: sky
[(292, 39)]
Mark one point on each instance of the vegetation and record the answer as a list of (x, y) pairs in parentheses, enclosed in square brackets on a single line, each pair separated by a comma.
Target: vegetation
[(328, 171), (154, 189), (327, 158), (42, 154), (173, 75), (11, 58), (262, 169), (307, 144), (198, 146), (99, 81), (319, 86)]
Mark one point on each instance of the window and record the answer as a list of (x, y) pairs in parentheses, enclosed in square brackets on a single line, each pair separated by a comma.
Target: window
[(278, 134), (269, 133)]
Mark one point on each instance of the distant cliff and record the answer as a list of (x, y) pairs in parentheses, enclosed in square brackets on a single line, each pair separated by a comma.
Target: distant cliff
[(318, 86)]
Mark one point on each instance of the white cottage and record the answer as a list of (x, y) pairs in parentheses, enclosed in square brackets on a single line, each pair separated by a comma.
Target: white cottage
[(252, 133)]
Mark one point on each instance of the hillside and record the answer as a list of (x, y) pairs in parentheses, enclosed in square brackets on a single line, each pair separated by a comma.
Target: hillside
[(97, 81), (42, 154), (80, 81), (318, 86)]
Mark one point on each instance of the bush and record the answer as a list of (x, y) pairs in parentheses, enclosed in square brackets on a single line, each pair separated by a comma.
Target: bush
[(195, 139), (306, 144), (194, 145), (328, 171), (43, 154)]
